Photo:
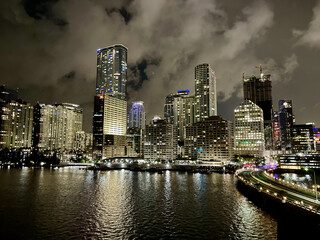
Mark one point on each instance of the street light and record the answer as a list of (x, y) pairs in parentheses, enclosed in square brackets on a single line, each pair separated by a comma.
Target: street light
[(315, 183)]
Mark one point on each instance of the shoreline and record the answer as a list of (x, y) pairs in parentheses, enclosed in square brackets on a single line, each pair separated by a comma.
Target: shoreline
[(159, 168)]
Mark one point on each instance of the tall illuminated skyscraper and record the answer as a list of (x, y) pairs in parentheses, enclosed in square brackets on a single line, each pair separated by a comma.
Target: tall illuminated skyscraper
[(112, 71), (137, 116), (111, 81), (205, 92), (249, 130)]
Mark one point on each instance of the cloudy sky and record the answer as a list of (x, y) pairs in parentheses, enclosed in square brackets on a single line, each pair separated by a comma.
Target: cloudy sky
[(48, 49)]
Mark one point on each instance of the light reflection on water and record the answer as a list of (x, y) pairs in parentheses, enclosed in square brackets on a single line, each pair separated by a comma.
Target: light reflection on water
[(71, 203)]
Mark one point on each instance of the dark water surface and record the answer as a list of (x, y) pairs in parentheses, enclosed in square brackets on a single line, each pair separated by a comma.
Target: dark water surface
[(76, 204)]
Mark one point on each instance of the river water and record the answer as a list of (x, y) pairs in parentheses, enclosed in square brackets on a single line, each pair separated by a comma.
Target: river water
[(70, 203)]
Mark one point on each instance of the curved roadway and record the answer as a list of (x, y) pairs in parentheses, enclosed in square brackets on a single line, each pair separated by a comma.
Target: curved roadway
[(294, 195)]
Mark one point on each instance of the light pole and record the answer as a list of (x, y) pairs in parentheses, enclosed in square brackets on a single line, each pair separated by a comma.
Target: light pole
[(315, 182)]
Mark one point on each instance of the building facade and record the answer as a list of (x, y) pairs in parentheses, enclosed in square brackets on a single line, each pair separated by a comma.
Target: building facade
[(302, 139), (112, 71), (97, 127), (135, 140), (249, 130), (286, 121), (159, 141), (299, 161), (210, 140), (16, 125), (183, 112), (114, 127), (83, 142), (168, 108), (55, 127), (205, 92)]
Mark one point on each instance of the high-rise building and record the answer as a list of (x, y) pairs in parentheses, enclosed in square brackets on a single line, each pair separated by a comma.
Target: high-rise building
[(249, 130), (137, 116), (179, 111), (183, 113), (286, 121), (302, 139), (205, 92), (55, 127), (111, 81), (159, 141), (112, 71), (210, 140), (168, 108), (259, 91), (16, 125)]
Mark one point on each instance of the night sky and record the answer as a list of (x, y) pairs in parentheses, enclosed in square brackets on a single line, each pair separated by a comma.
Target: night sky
[(48, 49)]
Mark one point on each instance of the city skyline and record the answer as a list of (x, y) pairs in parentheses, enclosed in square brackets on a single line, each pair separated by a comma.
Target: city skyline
[(168, 67), (139, 119)]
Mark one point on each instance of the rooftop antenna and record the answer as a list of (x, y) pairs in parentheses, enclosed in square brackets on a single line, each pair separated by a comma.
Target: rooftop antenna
[(261, 69)]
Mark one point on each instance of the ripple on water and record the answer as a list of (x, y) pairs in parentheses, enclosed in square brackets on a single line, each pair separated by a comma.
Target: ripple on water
[(75, 204)]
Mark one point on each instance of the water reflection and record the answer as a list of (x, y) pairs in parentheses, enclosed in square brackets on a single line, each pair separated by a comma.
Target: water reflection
[(65, 203)]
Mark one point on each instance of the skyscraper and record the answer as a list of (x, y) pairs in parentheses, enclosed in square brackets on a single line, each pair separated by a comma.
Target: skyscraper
[(168, 108), (112, 71), (183, 112), (205, 92), (137, 116), (286, 121), (248, 130), (111, 81), (259, 91)]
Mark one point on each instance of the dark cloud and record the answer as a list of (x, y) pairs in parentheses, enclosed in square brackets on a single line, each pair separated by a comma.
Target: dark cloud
[(42, 9), (48, 48)]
